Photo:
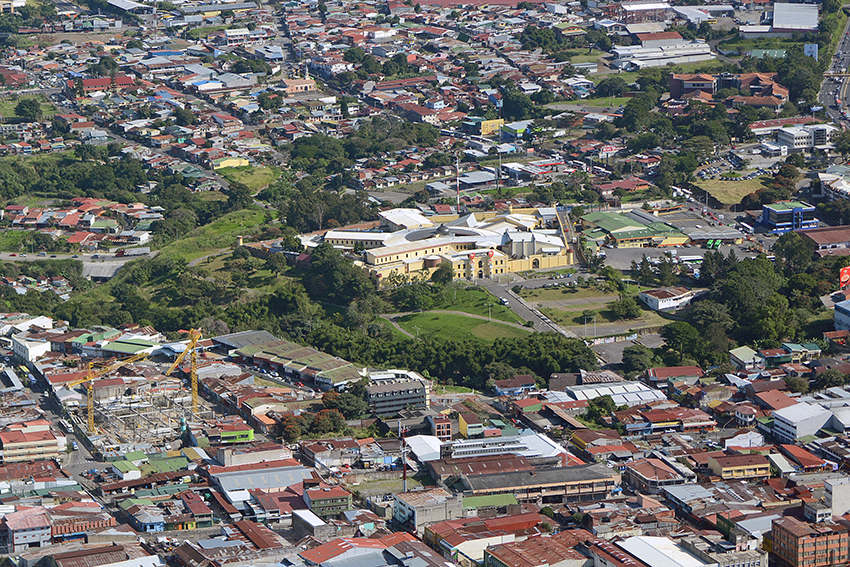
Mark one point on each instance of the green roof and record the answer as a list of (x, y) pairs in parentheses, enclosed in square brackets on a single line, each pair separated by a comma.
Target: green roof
[(125, 466), (471, 502), (130, 502), (611, 222), (129, 347), (743, 353), (135, 455), (170, 465), (788, 206)]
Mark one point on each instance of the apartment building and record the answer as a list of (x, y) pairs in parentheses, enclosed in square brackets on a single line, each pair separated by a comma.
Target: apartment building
[(389, 397), (30, 441), (417, 509), (327, 502), (800, 544), (735, 467)]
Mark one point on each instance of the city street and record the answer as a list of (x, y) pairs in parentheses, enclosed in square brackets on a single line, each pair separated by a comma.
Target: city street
[(837, 87)]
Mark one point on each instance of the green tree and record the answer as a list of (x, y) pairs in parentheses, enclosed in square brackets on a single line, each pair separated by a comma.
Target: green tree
[(444, 274), (682, 337), (797, 384), (625, 308), (346, 403), (642, 271), (612, 86), (667, 272), (637, 358), (829, 379), (29, 108)]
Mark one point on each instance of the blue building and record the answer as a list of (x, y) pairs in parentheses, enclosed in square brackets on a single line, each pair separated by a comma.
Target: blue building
[(516, 386), (786, 216)]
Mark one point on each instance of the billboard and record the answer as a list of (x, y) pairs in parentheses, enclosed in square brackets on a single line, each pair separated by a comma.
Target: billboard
[(844, 277)]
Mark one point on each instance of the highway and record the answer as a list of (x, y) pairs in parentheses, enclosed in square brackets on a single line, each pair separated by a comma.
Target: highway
[(833, 87)]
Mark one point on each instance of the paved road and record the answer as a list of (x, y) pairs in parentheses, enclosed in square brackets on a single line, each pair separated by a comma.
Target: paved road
[(837, 86), (519, 306), (104, 266)]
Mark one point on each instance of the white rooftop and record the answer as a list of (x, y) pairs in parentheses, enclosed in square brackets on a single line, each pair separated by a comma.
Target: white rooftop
[(788, 16), (660, 552)]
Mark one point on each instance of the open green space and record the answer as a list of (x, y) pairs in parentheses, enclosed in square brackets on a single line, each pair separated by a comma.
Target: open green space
[(593, 55), (731, 192), (457, 327), (605, 102), (628, 76), (475, 301), (199, 33), (220, 233), (7, 106), (11, 240), (575, 318), (254, 178)]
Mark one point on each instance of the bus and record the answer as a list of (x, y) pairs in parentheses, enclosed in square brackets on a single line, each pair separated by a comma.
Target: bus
[(747, 228), (66, 427)]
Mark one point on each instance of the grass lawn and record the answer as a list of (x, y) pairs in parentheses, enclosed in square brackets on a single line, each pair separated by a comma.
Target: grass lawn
[(698, 67), (212, 196), (475, 300), (457, 327), (7, 106), (604, 102), (573, 318), (591, 57), (10, 240), (731, 192), (255, 178), (627, 76), (221, 233), (198, 33), (452, 389)]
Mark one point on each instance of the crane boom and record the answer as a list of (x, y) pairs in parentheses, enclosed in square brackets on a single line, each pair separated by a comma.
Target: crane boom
[(194, 337), (89, 379)]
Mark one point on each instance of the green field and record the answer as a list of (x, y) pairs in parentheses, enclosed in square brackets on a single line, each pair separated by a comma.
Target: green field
[(254, 178), (574, 318), (457, 327), (475, 301), (7, 107), (219, 234), (731, 192), (594, 55), (604, 102)]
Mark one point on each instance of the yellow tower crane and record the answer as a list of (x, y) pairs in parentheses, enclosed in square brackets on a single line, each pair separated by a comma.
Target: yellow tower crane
[(194, 337), (90, 377)]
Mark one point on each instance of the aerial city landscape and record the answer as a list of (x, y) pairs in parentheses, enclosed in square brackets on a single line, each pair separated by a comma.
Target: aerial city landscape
[(400, 283)]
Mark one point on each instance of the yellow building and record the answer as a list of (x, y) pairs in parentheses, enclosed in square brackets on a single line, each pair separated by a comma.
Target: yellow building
[(491, 126), (478, 246), (734, 467), (469, 425), (229, 162)]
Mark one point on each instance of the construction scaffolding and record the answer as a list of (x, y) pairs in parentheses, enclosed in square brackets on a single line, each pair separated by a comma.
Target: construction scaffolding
[(155, 417)]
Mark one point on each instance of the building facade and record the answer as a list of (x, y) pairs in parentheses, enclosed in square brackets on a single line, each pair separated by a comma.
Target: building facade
[(801, 544)]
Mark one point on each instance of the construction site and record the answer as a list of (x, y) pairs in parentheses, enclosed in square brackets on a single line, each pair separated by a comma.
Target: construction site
[(135, 403)]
